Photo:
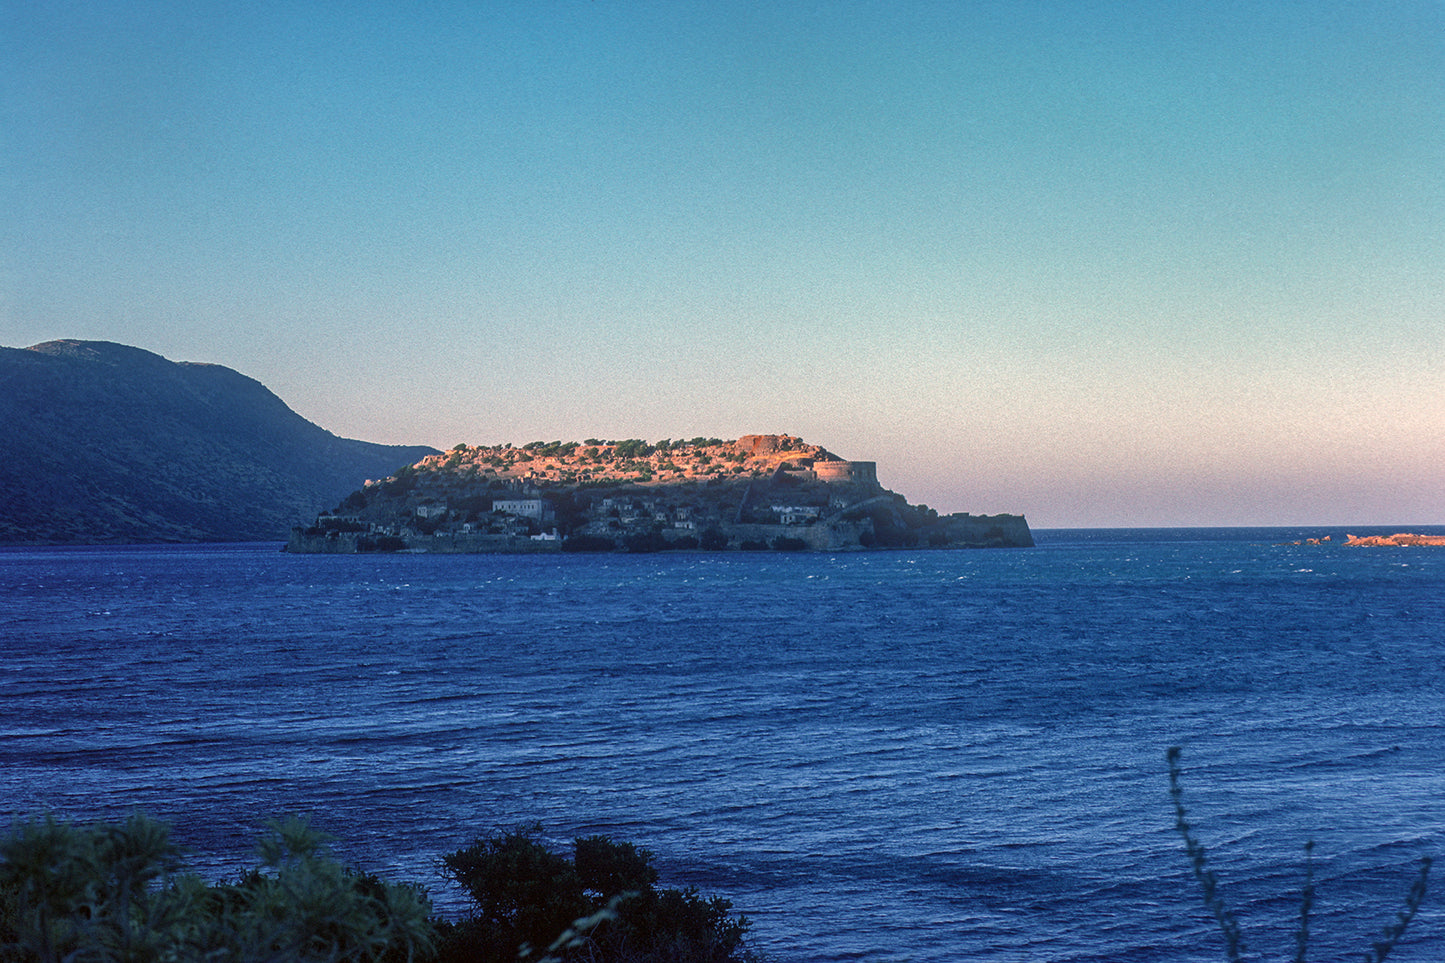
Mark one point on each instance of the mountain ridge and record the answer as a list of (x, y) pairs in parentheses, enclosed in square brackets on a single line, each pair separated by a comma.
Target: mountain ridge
[(109, 443)]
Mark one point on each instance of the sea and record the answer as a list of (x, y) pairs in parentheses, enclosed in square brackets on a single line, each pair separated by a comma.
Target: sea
[(891, 756)]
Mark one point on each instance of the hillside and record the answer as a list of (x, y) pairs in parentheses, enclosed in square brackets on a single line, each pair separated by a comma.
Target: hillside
[(108, 443), (759, 491)]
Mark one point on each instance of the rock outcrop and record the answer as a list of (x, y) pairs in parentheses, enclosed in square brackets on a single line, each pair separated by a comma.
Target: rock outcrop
[(1402, 539)]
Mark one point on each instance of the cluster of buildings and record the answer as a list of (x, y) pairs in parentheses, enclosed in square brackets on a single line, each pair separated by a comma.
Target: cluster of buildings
[(793, 496)]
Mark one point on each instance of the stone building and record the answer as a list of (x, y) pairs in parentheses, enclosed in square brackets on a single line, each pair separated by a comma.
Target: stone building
[(847, 472), (534, 508)]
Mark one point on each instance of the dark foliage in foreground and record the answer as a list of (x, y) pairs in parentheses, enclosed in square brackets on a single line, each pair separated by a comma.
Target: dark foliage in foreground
[(1229, 926), (118, 892), (103, 893), (604, 899)]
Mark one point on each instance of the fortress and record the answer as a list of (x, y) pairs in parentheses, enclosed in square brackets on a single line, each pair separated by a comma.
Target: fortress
[(847, 472), (759, 492), (826, 466)]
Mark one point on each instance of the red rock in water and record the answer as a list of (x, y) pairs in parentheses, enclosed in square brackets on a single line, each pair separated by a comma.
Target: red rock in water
[(1400, 539)]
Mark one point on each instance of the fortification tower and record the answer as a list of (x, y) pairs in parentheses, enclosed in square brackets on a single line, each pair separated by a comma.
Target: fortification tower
[(864, 473)]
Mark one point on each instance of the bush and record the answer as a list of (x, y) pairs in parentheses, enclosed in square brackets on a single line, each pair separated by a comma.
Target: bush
[(525, 895), (601, 906), (117, 892), (608, 869), (402, 482), (632, 448)]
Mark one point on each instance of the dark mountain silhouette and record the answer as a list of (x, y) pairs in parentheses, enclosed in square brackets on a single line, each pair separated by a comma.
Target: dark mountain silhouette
[(101, 442)]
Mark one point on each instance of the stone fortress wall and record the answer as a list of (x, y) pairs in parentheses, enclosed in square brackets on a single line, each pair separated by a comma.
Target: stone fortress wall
[(854, 472), (827, 467)]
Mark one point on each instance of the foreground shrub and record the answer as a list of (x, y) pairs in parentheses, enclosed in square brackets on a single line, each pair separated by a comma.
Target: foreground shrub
[(600, 905), (1229, 926), (118, 893)]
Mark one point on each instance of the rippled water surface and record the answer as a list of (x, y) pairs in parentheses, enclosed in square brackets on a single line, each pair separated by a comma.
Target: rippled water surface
[(898, 756)]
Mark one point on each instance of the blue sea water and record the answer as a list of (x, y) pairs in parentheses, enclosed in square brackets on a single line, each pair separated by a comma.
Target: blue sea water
[(921, 756)]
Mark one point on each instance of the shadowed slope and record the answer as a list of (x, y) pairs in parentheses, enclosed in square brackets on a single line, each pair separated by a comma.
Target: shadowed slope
[(109, 443)]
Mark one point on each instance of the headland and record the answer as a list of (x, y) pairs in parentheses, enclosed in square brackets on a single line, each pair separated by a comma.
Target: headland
[(758, 492)]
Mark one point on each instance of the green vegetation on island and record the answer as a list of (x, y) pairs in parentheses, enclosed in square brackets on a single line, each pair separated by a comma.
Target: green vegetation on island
[(759, 492)]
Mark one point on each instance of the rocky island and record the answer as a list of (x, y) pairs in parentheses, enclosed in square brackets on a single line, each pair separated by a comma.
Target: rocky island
[(758, 492), (1399, 540)]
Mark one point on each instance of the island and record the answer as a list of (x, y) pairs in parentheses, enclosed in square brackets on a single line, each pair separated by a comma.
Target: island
[(758, 492), (1399, 540)]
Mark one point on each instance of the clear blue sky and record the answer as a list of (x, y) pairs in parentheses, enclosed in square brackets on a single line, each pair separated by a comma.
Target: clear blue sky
[(1100, 263)]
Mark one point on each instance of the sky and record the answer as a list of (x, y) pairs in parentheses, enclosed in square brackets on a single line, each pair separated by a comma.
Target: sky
[(1101, 264)]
